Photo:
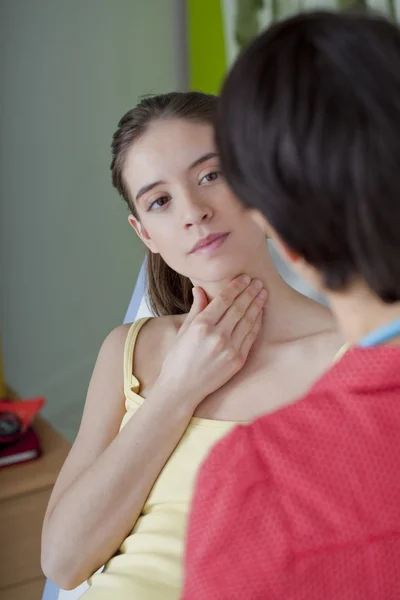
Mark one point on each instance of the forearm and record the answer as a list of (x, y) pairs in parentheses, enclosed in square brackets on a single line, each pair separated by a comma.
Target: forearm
[(101, 506)]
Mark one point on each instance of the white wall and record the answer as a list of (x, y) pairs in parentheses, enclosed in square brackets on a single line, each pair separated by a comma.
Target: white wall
[(68, 71)]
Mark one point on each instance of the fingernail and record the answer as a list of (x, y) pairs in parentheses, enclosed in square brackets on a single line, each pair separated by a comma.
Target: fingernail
[(245, 279), (257, 284), (263, 295)]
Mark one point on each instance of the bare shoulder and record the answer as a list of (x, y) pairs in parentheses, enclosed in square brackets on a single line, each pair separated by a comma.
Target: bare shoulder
[(102, 414), (156, 337), (106, 388), (115, 340), (154, 341)]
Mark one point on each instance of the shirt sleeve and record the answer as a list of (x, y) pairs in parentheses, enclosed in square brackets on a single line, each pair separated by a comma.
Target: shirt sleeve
[(237, 540)]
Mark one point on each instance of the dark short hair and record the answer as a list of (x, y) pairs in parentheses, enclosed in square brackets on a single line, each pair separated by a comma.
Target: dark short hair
[(309, 133), (169, 292)]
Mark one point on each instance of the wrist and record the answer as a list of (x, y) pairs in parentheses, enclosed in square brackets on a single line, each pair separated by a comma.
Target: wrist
[(176, 393)]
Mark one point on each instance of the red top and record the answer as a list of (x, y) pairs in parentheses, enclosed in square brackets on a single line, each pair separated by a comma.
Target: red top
[(304, 503)]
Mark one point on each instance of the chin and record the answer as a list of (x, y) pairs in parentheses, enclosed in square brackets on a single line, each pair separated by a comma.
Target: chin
[(219, 269)]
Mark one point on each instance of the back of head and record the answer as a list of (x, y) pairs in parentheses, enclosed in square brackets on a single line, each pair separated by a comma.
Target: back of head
[(309, 133)]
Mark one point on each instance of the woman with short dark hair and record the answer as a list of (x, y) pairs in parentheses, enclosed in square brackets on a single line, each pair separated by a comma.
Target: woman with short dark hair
[(304, 503)]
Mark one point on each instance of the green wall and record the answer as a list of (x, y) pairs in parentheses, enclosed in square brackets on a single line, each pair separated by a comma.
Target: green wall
[(207, 57)]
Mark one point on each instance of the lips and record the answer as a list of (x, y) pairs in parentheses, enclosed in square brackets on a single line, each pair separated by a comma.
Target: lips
[(210, 242)]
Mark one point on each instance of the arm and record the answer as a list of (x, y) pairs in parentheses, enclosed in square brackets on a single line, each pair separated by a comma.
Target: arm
[(92, 507), (237, 541)]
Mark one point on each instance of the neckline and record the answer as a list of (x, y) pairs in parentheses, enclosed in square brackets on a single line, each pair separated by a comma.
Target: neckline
[(194, 421), (134, 383)]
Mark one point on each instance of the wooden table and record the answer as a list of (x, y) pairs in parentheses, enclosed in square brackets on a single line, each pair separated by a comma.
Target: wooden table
[(24, 493)]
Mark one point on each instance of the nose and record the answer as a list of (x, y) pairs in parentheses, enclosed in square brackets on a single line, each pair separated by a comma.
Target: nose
[(196, 212)]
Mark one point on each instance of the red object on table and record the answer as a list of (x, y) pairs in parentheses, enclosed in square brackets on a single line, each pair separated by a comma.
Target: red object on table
[(17, 417), (25, 449)]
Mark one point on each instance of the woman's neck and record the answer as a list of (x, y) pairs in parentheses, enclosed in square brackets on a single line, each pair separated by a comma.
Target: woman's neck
[(288, 314), (359, 312)]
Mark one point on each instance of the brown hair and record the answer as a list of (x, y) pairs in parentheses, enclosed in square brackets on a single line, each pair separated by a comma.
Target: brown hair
[(169, 292)]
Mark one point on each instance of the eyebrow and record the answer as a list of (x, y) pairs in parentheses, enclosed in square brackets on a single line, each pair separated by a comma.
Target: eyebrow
[(147, 188), (203, 159)]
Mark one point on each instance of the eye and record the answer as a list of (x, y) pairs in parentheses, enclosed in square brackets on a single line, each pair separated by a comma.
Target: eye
[(159, 203), (210, 177)]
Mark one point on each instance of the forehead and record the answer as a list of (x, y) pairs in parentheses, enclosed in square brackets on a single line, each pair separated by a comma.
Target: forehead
[(167, 149)]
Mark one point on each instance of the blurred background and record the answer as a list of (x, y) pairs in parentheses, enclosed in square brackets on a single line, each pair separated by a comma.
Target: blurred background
[(68, 72)]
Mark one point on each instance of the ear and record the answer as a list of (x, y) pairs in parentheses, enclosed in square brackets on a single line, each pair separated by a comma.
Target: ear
[(142, 233)]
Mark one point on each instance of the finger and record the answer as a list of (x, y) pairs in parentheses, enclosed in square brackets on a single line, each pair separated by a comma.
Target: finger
[(249, 319), (251, 337), (221, 303), (200, 301), (239, 307)]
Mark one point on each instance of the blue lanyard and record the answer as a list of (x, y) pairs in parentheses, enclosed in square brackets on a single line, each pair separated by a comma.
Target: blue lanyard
[(381, 335)]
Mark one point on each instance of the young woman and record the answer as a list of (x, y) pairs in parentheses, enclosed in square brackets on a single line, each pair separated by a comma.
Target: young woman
[(249, 345)]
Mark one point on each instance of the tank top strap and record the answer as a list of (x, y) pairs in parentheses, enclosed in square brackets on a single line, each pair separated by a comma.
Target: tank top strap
[(130, 381), (341, 352)]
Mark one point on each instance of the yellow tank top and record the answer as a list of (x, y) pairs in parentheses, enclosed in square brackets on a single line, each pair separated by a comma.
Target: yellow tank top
[(148, 565)]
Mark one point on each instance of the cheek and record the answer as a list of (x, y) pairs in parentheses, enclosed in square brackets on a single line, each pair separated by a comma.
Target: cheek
[(251, 238), (227, 199), (248, 227), (236, 215), (157, 231), (232, 209), (165, 239)]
